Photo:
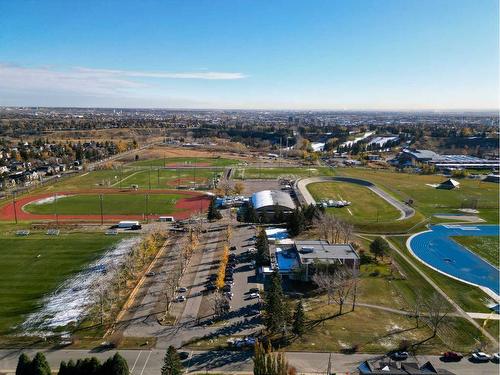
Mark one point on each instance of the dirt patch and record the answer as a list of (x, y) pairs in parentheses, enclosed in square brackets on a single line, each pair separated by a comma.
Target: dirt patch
[(186, 181), (191, 165)]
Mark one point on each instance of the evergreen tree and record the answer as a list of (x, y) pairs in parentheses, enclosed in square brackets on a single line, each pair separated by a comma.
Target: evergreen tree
[(23, 365), (115, 365), (299, 319), (379, 247), (213, 213), (251, 214), (296, 222), (276, 308), (268, 363), (39, 365), (172, 364), (262, 257)]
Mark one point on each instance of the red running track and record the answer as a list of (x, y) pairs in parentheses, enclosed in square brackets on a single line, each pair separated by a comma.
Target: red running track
[(192, 203)]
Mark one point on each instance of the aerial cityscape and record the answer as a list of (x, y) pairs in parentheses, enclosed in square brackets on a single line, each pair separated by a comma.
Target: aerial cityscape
[(249, 187)]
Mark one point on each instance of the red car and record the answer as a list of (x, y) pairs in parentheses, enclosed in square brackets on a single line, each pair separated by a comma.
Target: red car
[(451, 356)]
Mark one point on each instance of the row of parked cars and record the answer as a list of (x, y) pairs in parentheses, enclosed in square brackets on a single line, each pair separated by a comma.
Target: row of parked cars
[(477, 356)]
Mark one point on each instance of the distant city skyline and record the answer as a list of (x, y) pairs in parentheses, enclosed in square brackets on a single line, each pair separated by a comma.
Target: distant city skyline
[(391, 55)]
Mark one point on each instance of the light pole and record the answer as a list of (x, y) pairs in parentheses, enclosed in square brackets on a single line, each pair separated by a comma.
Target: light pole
[(100, 206), (14, 204)]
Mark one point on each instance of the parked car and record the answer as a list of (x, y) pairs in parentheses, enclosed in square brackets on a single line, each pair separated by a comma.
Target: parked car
[(211, 286), (183, 355), (150, 274), (399, 356), (182, 290), (212, 277), (451, 357), (232, 248), (226, 288), (180, 298), (496, 357), (253, 295), (480, 357), (254, 290), (229, 295)]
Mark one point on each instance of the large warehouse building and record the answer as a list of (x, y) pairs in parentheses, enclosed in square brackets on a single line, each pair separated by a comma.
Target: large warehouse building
[(267, 202)]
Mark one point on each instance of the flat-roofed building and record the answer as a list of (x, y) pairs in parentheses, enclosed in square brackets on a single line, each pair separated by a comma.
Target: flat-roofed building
[(303, 255)]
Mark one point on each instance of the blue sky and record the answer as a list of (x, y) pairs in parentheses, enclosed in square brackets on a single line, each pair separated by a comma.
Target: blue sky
[(333, 54)]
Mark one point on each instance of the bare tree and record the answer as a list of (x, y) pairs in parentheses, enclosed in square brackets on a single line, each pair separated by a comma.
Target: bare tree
[(220, 304), (437, 309), (325, 282), (418, 306), (343, 284), (332, 229)]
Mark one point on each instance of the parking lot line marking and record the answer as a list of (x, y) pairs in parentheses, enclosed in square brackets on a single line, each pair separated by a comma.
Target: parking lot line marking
[(133, 367), (145, 363)]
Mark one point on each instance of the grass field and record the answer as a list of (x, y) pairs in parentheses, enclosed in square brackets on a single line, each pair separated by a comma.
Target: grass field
[(271, 173), (144, 178), (484, 246), (25, 278), (186, 161), (366, 206), (113, 204), (429, 200)]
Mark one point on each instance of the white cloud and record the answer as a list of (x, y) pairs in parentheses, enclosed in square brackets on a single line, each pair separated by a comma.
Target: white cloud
[(87, 81), (168, 75)]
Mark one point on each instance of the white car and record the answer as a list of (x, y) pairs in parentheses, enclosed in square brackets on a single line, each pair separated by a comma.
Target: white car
[(180, 298), (253, 295), (480, 357), (496, 357), (252, 250)]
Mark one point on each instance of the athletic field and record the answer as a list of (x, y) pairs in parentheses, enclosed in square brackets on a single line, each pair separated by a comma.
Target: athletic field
[(32, 267)]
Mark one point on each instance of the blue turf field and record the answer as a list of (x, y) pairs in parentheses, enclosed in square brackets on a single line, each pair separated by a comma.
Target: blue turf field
[(437, 249)]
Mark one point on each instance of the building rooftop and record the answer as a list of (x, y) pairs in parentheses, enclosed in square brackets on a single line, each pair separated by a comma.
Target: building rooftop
[(266, 198), (322, 250)]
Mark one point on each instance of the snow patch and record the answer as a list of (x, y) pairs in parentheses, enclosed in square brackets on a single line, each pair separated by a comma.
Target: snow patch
[(48, 200), (70, 301)]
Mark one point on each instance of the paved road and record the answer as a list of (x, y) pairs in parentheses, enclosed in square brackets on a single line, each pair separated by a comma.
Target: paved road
[(149, 362), (405, 210)]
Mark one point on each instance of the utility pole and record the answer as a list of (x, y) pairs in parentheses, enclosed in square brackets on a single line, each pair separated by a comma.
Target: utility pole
[(14, 204), (55, 209), (149, 177), (100, 205)]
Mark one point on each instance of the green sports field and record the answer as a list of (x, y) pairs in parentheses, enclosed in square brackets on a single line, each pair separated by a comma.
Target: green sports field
[(429, 200), (33, 266), (272, 173), (113, 204), (485, 246), (185, 161), (366, 206), (143, 177)]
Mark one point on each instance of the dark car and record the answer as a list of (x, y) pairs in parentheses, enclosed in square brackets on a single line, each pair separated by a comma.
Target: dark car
[(226, 288), (451, 357), (399, 356), (254, 290), (232, 248), (183, 355), (212, 277), (211, 286)]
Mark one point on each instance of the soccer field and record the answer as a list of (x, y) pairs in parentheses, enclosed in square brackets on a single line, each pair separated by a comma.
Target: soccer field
[(113, 204), (366, 206), (34, 266)]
